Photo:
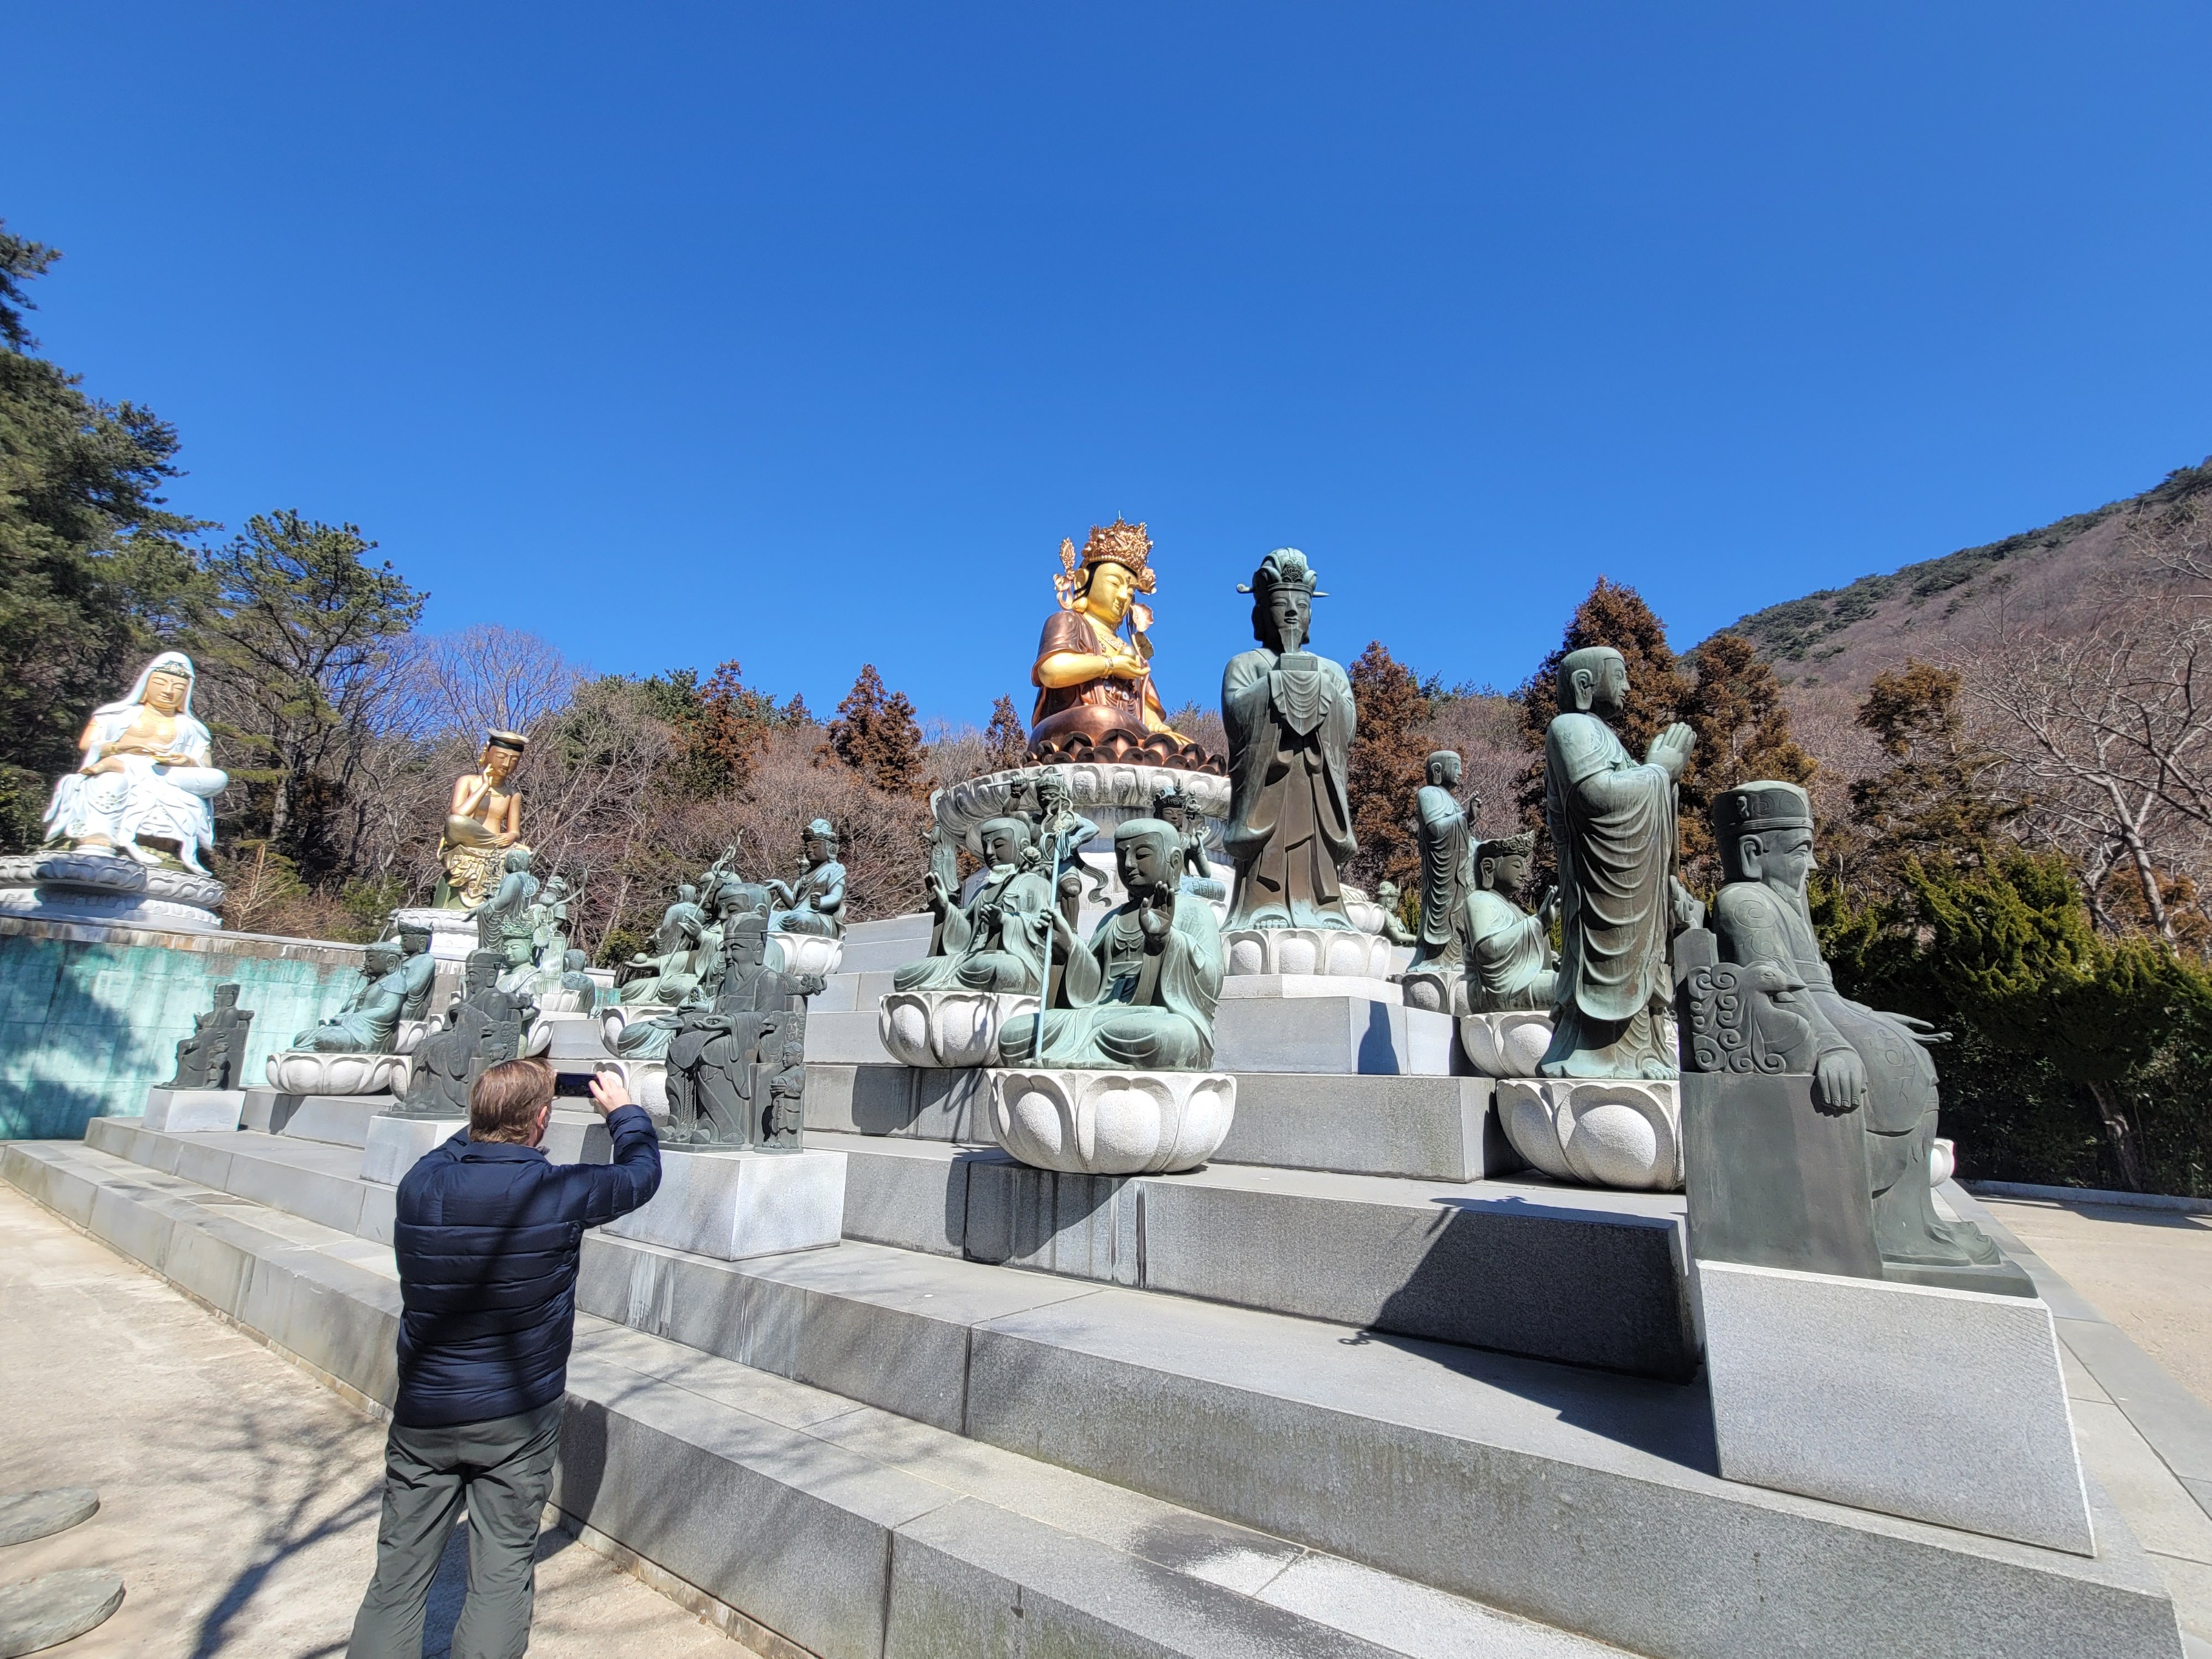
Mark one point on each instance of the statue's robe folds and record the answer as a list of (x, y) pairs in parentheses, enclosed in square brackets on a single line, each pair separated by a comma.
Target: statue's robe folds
[(1290, 827), (1611, 822), (171, 801), (817, 904), (1441, 824), (1095, 709), (1755, 924), (1129, 1008), (1010, 956), (1509, 956), (367, 1025)]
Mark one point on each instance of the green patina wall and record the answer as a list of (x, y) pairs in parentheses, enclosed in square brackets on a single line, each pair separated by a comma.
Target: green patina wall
[(90, 1016)]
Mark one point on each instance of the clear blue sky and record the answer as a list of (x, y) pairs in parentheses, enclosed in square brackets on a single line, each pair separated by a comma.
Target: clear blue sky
[(802, 334)]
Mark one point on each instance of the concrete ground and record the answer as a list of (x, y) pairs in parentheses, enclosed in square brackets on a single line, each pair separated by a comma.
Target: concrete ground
[(2147, 1270), (238, 1494)]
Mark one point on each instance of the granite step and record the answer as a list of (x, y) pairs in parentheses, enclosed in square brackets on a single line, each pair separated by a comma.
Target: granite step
[(846, 1529), (1578, 1498)]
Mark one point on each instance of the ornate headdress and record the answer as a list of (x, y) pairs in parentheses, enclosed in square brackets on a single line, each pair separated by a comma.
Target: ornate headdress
[(1750, 808), (1507, 846), (1284, 568), (1119, 542)]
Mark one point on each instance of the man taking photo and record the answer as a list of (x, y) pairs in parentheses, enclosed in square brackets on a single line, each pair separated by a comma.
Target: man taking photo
[(488, 1236)]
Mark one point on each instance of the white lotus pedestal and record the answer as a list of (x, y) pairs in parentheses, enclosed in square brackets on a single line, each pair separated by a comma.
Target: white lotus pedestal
[(1112, 1123), (946, 1030), (1505, 1045), (111, 888), (193, 1111), (1435, 990), (1938, 1405), (806, 953), (736, 1204), (395, 1143), (306, 1071), (1335, 952), (1621, 1133)]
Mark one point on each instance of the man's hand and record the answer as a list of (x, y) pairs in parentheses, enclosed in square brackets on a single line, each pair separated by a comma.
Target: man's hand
[(609, 1092), (1843, 1079), (1670, 749)]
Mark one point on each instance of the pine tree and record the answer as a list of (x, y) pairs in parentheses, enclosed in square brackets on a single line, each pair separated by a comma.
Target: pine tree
[(1385, 768), (1936, 801), (1735, 706), (877, 735), (1005, 744)]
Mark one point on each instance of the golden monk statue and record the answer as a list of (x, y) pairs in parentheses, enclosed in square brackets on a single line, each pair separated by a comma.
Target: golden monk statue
[(484, 820), (1096, 700)]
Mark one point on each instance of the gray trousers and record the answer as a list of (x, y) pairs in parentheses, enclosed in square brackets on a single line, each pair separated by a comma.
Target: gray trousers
[(502, 1470)]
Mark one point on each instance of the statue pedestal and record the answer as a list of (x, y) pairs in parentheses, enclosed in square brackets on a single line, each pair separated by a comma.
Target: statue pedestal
[(1941, 1405), (110, 887), (739, 1203), (1602, 1132), (305, 1072), (1336, 953), (1505, 1045), (194, 1111), (805, 953), (453, 933), (1434, 989), (395, 1143), (1112, 1122), (946, 1030)]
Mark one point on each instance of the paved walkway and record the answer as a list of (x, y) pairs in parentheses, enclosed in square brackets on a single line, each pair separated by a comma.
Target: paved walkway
[(238, 1495)]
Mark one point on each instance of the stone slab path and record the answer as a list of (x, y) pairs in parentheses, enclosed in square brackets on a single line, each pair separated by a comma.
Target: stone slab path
[(238, 1495)]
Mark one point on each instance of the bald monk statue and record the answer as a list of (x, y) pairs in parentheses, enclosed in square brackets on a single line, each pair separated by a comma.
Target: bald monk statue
[(1440, 828), (1611, 822), (1142, 994)]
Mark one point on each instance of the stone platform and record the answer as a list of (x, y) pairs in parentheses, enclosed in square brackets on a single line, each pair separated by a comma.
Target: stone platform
[(874, 1452)]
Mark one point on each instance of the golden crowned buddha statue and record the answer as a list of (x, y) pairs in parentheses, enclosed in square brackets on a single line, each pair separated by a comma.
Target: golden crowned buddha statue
[(484, 820), (1095, 699)]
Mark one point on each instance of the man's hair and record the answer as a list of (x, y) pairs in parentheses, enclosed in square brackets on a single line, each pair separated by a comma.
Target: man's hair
[(506, 1100)]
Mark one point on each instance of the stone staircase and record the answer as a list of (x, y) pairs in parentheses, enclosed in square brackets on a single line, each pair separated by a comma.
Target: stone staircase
[(1333, 1395)]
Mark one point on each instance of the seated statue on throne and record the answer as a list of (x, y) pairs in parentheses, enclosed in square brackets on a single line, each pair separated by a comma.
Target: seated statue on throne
[(483, 821), (145, 772), (1096, 700)]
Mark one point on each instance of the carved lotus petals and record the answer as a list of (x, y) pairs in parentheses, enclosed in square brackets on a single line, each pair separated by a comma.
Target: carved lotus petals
[(1366, 915), (1112, 1122), (1106, 793), (1439, 990), (648, 1083), (1505, 1045), (563, 1001), (942, 1029), (1602, 1132), (1942, 1161), (410, 1033), (1337, 951), (304, 1071), (806, 953)]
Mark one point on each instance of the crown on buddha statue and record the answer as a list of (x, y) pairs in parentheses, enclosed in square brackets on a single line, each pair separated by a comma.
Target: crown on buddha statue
[(1508, 847), (1750, 808), (1119, 542), (1284, 568)]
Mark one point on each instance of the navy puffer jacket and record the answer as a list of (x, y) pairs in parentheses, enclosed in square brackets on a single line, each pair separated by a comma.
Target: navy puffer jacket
[(487, 1238)]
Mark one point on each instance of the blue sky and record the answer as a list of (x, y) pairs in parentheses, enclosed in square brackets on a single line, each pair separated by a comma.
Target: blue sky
[(801, 334)]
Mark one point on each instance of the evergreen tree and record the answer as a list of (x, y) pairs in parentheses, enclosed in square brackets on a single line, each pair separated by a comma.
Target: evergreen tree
[(1735, 706), (1936, 800), (1385, 770), (1613, 615), (877, 735), (1006, 741), (90, 571)]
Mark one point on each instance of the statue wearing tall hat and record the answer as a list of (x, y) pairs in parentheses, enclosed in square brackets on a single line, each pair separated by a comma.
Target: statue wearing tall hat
[(484, 819), (1611, 822), (1290, 721)]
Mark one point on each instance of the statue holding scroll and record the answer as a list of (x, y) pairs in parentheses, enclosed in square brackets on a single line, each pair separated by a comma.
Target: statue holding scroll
[(484, 1027), (1291, 723), (1611, 822), (724, 1062), (1000, 939), (1143, 994)]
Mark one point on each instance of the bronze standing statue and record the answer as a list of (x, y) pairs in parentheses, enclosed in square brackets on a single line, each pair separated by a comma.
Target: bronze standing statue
[(1290, 722), (1441, 831)]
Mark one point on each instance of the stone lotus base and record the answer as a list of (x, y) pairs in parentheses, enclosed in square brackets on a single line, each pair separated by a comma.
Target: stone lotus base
[(559, 1002), (1610, 1133), (453, 933), (1435, 989), (1943, 1160), (1505, 1045), (1366, 915), (946, 1030), (1112, 1122), (1107, 792), (1331, 950), (67, 886), (807, 953), (409, 1035), (304, 1071)]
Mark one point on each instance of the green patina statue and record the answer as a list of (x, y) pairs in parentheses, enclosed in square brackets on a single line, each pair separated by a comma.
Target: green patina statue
[(730, 1066), (1143, 994), (1766, 1010), (815, 903), (1000, 939), (483, 1026), (396, 977), (214, 1056), (1509, 963), (1290, 722), (1441, 831), (1611, 822), (1388, 898)]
